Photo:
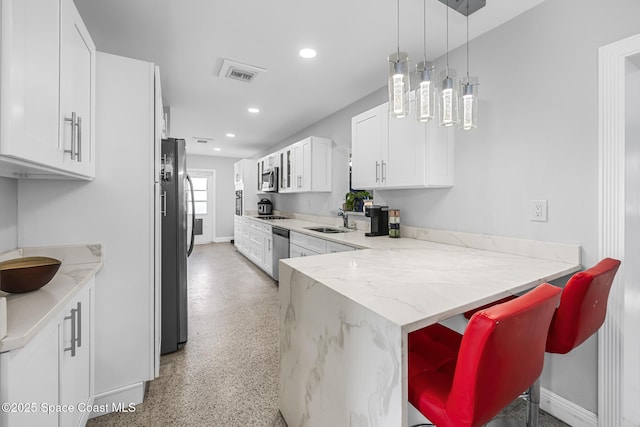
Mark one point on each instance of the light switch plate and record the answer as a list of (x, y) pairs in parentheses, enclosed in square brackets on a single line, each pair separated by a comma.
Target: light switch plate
[(538, 210)]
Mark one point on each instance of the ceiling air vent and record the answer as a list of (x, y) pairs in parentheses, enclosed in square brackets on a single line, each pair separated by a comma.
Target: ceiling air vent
[(237, 71)]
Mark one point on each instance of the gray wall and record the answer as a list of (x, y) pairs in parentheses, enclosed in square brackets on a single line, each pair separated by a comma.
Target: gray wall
[(8, 214), (537, 139), (224, 203), (631, 368)]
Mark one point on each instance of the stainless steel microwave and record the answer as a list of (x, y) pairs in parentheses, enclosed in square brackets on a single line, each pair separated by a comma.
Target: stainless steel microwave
[(270, 180)]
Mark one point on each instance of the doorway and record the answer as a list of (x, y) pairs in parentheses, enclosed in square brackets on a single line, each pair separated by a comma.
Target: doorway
[(204, 187), (619, 220)]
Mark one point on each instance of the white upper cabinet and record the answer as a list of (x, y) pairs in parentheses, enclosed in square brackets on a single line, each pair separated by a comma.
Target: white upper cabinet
[(368, 147), (77, 92), (305, 166), (399, 153), (312, 165), (286, 177), (46, 74)]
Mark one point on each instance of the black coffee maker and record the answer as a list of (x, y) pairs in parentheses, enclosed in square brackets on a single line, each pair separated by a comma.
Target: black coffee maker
[(379, 220)]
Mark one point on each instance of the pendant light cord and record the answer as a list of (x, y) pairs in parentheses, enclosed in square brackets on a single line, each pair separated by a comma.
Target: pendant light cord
[(424, 26), (467, 41), (398, 9), (447, 71)]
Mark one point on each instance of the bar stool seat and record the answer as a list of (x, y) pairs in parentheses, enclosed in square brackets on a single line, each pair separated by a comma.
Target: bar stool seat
[(466, 380)]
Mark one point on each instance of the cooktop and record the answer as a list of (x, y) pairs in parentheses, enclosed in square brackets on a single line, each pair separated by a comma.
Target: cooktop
[(271, 217)]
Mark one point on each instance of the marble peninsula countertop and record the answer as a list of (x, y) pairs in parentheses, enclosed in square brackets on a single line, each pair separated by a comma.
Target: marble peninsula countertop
[(419, 279), (28, 313)]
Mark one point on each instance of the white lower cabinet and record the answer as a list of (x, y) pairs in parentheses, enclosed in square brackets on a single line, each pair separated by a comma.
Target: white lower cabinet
[(254, 240), (333, 247), (29, 379), (304, 245), (50, 381), (76, 358)]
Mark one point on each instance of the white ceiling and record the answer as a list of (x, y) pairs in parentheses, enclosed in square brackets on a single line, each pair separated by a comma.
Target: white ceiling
[(188, 39)]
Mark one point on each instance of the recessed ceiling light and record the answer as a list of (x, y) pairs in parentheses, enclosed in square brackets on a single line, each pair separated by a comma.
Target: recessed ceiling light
[(253, 110), (307, 53), (217, 149), (231, 135)]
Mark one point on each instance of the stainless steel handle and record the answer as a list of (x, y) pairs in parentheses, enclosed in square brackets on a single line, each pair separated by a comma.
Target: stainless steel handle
[(79, 315), (384, 177), (73, 149), (72, 349), (163, 165), (79, 139), (163, 196), (269, 244), (377, 171)]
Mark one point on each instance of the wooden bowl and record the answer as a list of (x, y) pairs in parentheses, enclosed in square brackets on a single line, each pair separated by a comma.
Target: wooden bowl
[(27, 274)]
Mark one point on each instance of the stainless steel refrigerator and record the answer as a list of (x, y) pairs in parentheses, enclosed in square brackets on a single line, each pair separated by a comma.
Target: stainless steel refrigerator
[(177, 242)]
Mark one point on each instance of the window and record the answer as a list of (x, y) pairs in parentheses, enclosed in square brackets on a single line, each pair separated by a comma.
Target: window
[(200, 193)]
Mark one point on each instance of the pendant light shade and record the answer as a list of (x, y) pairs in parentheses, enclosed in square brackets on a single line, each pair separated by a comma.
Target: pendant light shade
[(448, 99), (425, 92), (448, 96), (399, 85), (468, 94), (468, 103)]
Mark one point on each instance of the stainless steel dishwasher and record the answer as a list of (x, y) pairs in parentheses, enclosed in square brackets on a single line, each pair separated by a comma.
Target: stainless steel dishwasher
[(280, 248)]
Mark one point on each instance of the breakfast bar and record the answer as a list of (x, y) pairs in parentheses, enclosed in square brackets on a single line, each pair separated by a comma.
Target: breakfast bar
[(344, 320)]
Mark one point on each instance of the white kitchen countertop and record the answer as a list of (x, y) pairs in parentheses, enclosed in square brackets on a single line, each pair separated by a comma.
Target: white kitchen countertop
[(29, 312), (414, 282)]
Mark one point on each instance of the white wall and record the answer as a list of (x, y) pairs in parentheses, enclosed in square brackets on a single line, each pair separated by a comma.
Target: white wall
[(631, 368), (224, 204), (8, 214), (537, 139)]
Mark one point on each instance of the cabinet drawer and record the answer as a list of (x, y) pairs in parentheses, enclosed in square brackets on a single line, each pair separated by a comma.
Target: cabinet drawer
[(333, 247), (311, 243), (296, 251)]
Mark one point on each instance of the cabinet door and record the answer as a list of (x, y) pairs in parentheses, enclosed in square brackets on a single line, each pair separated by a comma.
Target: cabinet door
[(77, 92), (30, 376), (76, 334), (368, 137), (237, 173), (302, 165), (267, 262), (30, 81), (287, 181), (405, 165)]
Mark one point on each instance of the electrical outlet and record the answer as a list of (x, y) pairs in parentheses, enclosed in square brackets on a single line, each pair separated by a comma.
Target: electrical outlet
[(538, 210)]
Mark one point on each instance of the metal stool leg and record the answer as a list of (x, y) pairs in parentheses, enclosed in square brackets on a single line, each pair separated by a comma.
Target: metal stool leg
[(533, 405)]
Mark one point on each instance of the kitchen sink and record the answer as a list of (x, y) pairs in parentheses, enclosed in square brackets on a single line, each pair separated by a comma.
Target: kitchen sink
[(327, 229)]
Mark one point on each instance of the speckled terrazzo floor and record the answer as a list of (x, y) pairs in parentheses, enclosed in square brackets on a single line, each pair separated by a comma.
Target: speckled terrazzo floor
[(227, 374)]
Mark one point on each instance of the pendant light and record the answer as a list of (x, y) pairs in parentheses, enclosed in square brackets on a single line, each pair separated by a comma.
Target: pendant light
[(448, 99), (469, 94), (425, 92), (398, 80)]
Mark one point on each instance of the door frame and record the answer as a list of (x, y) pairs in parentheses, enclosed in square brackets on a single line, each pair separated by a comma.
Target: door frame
[(611, 227), (211, 197)]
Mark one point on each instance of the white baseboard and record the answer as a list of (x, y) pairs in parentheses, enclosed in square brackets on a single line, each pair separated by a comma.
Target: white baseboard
[(222, 239), (566, 411), (119, 400)]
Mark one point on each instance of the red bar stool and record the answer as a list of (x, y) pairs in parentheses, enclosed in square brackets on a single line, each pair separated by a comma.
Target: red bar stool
[(466, 380), (582, 310)]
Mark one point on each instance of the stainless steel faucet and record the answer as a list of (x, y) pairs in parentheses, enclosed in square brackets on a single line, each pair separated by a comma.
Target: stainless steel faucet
[(345, 218)]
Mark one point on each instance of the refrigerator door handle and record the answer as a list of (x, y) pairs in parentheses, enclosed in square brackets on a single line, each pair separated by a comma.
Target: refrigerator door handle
[(193, 216)]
